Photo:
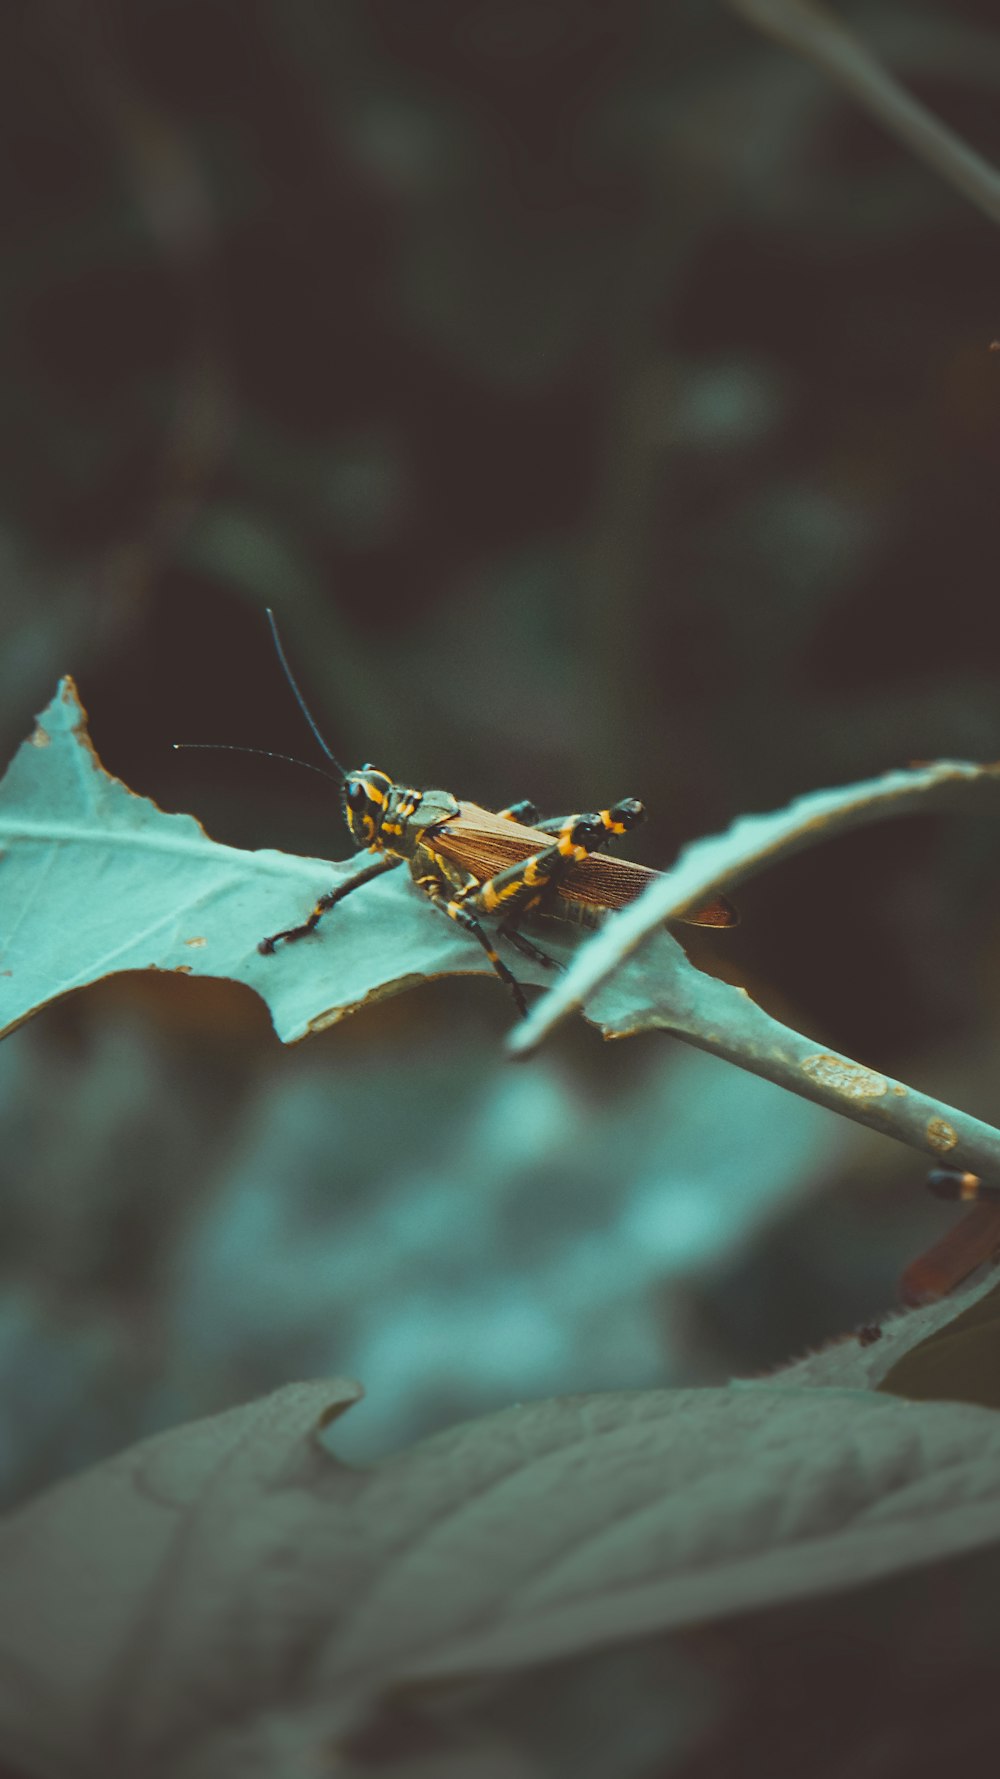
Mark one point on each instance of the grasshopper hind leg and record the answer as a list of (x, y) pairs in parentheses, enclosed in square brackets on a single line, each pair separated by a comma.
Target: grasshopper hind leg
[(524, 811), (527, 948), (513, 891)]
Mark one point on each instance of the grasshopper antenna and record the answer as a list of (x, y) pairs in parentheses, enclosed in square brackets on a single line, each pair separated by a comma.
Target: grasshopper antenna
[(230, 747), (303, 706)]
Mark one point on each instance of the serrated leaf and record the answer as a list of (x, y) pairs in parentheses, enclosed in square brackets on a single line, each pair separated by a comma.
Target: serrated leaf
[(95, 879), (229, 1598), (867, 1358), (958, 1361)]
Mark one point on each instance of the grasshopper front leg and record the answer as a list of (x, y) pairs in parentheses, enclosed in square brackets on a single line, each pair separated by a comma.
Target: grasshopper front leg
[(325, 903)]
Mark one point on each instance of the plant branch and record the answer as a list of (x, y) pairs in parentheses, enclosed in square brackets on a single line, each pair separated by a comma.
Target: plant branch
[(807, 27), (718, 1017), (751, 845), (634, 976)]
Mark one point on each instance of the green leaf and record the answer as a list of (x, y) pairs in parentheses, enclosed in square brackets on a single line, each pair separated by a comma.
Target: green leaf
[(229, 1597), (94, 880)]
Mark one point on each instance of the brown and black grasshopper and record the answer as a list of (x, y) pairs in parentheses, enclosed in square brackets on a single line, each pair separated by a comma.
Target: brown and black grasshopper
[(472, 862)]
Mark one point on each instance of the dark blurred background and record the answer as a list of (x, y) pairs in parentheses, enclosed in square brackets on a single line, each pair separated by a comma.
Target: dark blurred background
[(605, 405)]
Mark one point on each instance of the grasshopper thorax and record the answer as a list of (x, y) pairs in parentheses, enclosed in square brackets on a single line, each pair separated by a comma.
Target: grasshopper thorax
[(388, 817)]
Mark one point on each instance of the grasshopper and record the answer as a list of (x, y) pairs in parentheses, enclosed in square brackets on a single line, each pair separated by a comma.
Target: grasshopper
[(473, 863)]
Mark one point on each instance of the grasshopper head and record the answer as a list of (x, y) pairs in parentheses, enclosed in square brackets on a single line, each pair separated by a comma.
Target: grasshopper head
[(364, 795)]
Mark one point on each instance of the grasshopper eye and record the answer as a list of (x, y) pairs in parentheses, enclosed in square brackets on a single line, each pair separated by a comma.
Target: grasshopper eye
[(355, 795)]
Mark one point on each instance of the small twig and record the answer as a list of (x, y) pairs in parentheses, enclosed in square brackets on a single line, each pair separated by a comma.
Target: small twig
[(806, 26)]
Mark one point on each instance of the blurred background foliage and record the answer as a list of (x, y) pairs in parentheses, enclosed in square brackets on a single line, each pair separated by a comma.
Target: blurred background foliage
[(605, 405)]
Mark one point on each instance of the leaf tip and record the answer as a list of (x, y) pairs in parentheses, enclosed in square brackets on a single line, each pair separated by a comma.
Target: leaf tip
[(348, 1391)]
